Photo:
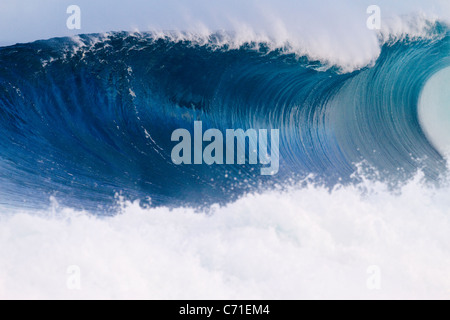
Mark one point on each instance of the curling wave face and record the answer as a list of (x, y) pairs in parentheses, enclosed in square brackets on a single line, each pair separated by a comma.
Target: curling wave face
[(88, 117)]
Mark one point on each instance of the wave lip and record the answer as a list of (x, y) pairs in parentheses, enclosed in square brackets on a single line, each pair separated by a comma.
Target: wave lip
[(320, 30)]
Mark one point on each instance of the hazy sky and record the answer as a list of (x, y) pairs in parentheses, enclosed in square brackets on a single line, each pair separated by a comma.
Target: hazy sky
[(28, 20)]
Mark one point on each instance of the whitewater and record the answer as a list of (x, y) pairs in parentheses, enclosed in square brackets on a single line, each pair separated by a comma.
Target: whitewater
[(85, 172), (306, 243)]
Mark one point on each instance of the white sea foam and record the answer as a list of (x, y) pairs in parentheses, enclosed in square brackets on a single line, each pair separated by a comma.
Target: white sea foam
[(302, 243)]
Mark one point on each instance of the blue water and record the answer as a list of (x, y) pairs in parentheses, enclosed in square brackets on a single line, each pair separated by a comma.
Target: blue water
[(86, 122)]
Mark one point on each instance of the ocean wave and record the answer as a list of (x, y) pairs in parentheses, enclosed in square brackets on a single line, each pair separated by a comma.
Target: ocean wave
[(91, 116), (89, 192)]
